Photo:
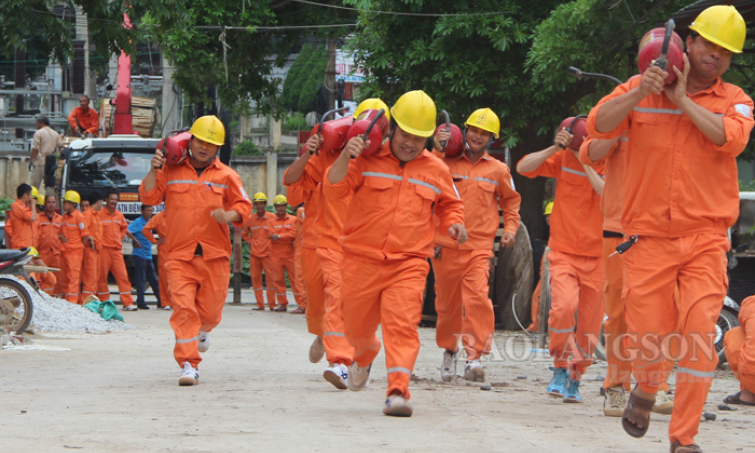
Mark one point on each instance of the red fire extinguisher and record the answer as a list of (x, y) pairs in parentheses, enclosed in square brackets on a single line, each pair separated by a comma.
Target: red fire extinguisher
[(455, 144), (333, 132), (577, 126), (175, 147), (662, 47), (373, 127)]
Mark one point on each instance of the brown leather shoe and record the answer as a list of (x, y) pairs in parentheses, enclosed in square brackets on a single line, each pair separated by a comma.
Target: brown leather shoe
[(299, 311), (280, 308)]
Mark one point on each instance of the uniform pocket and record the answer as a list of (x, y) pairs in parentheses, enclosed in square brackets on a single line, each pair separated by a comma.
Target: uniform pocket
[(657, 132), (425, 199)]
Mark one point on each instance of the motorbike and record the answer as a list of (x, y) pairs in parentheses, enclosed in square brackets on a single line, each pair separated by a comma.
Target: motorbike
[(16, 308)]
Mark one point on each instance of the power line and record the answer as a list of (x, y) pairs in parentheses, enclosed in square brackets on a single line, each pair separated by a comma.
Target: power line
[(253, 28), (398, 13)]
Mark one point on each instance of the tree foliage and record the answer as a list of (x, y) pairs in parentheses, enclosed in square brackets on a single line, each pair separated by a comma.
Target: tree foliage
[(295, 77), (315, 76)]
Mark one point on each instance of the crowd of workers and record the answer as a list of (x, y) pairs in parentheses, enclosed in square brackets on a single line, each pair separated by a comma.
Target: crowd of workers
[(643, 200)]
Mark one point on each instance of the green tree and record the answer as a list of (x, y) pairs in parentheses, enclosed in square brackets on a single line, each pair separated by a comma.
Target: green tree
[(315, 76), (295, 77)]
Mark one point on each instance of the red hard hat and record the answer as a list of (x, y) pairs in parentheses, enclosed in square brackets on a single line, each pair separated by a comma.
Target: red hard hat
[(455, 144), (175, 148), (650, 49), (577, 128)]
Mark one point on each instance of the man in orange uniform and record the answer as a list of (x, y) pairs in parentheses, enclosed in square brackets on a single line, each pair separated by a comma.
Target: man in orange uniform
[(48, 243), (309, 172), (612, 155), (202, 196), (45, 280), (157, 224), (73, 235), (681, 195), (301, 297), (387, 237), (84, 119), (535, 306), (462, 271), (90, 267), (575, 262), (257, 233), (282, 236), (114, 228), (740, 352), (23, 213)]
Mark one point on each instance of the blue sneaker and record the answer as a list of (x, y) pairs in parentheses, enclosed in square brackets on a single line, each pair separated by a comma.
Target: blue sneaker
[(557, 387), (571, 395)]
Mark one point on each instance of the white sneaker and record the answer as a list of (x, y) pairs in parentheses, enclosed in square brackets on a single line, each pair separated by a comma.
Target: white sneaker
[(474, 371), (317, 350), (204, 341), (167, 307), (130, 308), (337, 374), (398, 406), (616, 401), (189, 375), (448, 367), (357, 377), (663, 404)]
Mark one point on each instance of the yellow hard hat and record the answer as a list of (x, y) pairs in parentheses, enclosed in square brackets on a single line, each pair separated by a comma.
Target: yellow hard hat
[(210, 129), (486, 120), (34, 192), (33, 252), (280, 199), (372, 104), (72, 196), (41, 200), (548, 208), (722, 25), (259, 196), (414, 112)]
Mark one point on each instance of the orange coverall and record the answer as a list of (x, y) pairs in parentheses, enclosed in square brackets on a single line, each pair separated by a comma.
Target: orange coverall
[(49, 244), (301, 296), (329, 227), (575, 264), (310, 262), (740, 346), (257, 233), (22, 234), (157, 224), (88, 121), (462, 272), (283, 256), (198, 247), (90, 268), (114, 227), (46, 281), (72, 254), (387, 237), (681, 194), (535, 309)]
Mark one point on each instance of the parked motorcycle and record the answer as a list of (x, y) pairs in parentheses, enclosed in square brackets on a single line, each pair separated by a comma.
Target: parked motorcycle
[(16, 308)]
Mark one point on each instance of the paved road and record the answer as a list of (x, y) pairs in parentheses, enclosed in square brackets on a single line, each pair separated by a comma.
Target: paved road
[(119, 392)]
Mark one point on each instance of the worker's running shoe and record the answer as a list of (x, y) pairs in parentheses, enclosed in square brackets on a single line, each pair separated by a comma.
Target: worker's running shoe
[(204, 341), (474, 371), (167, 307), (398, 406), (258, 308), (557, 386), (130, 308), (448, 367), (357, 377), (571, 394), (663, 404), (189, 375), (337, 374), (317, 350), (616, 401)]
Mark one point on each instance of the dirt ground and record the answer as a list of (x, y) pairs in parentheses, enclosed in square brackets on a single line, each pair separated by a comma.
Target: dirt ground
[(258, 392)]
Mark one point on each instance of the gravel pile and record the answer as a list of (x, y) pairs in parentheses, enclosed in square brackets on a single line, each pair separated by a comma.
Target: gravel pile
[(58, 315)]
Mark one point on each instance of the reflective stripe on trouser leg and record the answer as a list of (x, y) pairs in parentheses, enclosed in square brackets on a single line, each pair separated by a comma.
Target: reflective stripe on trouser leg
[(118, 268), (702, 288), (479, 318), (198, 291), (619, 370), (162, 276), (282, 263), (361, 286), (267, 266), (564, 289), (300, 293), (448, 301), (73, 276), (337, 347), (313, 285)]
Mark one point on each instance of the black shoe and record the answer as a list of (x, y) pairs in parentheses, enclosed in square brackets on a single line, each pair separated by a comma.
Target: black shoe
[(143, 307)]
